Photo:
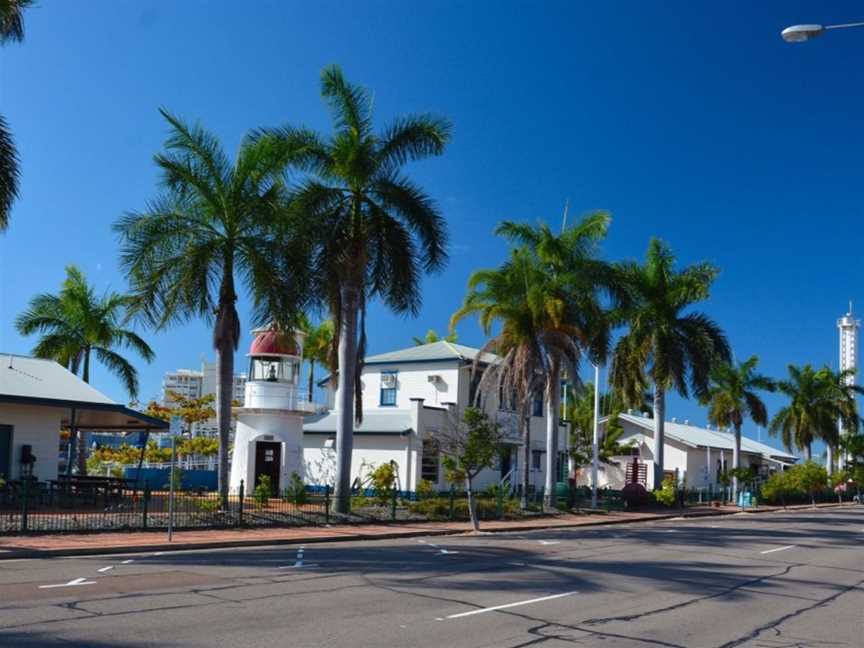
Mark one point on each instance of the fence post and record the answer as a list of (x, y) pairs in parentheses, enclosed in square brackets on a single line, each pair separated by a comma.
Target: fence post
[(25, 504), (393, 505), (146, 505), (452, 500), (241, 492), (327, 504)]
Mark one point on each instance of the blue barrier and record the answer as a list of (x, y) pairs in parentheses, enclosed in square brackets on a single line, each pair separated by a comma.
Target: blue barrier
[(157, 478)]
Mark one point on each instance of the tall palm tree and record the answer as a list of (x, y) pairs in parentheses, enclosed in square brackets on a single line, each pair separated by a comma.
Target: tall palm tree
[(666, 346), (377, 231), (732, 397), (11, 30), (317, 348), (215, 224), (818, 399), (844, 391), (512, 298), (432, 336), (76, 324), (572, 280)]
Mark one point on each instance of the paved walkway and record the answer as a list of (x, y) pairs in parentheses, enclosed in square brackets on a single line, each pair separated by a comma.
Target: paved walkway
[(24, 546)]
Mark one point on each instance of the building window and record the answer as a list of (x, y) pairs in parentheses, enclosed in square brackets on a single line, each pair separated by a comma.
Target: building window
[(536, 459), (388, 388), (429, 462), (537, 405)]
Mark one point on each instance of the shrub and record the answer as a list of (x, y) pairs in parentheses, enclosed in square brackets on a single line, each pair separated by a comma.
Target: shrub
[(207, 504), (667, 495), (383, 480), (809, 477), (296, 491), (438, 508), (263, 490), (778, 488), (425, 489)]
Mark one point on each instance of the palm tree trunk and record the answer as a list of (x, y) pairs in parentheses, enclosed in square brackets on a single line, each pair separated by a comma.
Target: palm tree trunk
[(553, 393), (345, 405), (472, 505), (808, 452), (659, 433), (736, 458), (526, 458), (311, 380), (82, 440), (224, 393)]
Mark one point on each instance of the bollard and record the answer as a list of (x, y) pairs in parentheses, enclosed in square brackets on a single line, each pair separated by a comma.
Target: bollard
[(241, 493), (327, 504)]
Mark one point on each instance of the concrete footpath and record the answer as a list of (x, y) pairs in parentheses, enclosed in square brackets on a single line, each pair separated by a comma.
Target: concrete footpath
[(83, 544)]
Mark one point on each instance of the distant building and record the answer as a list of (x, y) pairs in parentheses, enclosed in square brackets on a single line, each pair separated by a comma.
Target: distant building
[(191, 383), (848, 327)]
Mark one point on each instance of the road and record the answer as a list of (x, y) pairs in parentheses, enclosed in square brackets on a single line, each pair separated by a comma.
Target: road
[(771, 580)]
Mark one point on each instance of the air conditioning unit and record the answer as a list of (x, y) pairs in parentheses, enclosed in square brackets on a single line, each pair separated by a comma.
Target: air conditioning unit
[(435, 379)]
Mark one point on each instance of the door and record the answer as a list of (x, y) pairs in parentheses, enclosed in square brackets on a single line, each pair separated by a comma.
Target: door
[(506, 453), (5, 451), (268, 461)]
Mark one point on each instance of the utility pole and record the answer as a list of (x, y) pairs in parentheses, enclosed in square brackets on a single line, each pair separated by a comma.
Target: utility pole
[(595, 449)]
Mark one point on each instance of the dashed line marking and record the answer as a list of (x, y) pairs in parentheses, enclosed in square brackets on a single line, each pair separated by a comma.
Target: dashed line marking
[(777, 549), (105, 569), (506, 606), (126, 562), (72, 583)]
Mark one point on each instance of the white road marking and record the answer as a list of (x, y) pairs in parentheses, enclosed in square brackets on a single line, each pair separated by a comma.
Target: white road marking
[(777, 549), (126, 562), (509, 605), (444, 552), (105, 569), (158, 553), (550, 542), (72, 583)]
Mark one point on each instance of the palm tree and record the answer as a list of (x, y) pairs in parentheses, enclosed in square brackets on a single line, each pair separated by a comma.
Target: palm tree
[(580, 414), (317, 348), (511, 297), (732, 397), (77, 324), (844, 391), (818, 399), (432, 336), (665, 345), (11, 30), (377, 230), (216, 222), (568, 297)]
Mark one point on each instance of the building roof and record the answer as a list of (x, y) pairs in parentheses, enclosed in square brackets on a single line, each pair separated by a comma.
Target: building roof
[(435, 351), (34, 381), (697, 437), (394, 422)]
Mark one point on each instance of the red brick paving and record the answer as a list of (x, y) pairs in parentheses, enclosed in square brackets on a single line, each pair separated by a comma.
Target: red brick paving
[(94, 543)]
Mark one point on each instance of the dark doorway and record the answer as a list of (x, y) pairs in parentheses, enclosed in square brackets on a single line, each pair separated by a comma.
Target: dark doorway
[(5, 451), (268, 461), (506, 464)]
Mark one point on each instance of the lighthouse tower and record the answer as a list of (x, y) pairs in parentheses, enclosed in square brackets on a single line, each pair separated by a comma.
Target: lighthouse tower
[(269, 434), (848, 327)]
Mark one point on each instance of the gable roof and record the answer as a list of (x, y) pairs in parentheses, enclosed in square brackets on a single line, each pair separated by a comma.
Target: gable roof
[(697, 437), (34, 381), (433, 352)]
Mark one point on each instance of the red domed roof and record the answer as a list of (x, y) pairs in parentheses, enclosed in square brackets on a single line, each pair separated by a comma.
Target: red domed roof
[(273, 343)]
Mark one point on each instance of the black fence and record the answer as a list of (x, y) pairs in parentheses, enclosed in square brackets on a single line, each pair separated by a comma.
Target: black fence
[(109, 505)]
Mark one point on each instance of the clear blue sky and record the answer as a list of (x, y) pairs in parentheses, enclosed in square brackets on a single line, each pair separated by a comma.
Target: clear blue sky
[(691, 121)]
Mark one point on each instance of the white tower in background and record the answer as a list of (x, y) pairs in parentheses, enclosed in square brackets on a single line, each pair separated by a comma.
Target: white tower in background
[(848, 327)]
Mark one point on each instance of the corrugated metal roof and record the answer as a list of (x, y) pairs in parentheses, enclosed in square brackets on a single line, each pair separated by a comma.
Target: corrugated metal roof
[(25, 377), (394, 422), (700, 437), (441, 350)]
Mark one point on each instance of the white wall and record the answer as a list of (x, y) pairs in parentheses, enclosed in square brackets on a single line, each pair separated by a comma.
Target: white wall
[(285, 427), (36, 426), (412, 382), (370, 451)]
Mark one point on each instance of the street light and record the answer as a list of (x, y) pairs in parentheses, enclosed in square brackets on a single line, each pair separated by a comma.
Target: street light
[(801, 33)]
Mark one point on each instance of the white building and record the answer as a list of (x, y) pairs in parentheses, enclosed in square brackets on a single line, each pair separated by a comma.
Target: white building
[(192, 383), (38, 398), (695, 455), (406, 394)]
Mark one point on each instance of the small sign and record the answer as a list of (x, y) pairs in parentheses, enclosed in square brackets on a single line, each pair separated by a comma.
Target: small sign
[(176, 425)]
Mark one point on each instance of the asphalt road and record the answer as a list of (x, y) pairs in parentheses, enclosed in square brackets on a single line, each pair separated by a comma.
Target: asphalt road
[(772, 580)]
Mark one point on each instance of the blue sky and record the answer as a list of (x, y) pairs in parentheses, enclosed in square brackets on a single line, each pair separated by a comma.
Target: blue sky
[(689, 121)]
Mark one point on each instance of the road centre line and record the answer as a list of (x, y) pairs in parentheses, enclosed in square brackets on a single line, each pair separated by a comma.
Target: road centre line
[(777, 549), (509, 605)]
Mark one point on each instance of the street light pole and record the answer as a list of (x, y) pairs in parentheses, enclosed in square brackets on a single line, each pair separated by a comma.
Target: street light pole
[(594, 442), (801, 33)]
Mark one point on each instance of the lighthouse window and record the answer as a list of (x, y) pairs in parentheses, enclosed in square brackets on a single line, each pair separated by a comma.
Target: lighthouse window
[(388, 388)]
